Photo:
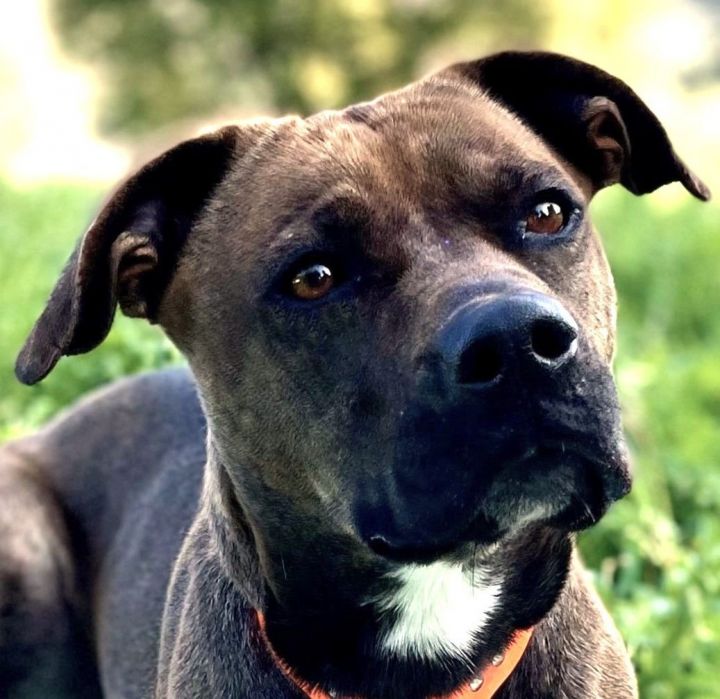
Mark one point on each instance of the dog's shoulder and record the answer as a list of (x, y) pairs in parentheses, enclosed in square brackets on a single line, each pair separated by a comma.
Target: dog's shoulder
[(154, 410), (100, 453)]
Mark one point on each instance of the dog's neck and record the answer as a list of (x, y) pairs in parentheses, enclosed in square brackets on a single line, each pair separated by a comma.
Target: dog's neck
[(483, 685), (378, 630), (237, 551)]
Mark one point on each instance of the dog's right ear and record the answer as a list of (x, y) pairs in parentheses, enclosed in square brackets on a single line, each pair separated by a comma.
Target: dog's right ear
[(129, 252), (589, 116)]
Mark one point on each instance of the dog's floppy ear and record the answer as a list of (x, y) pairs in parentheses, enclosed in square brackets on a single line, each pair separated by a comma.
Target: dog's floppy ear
[(129, 252), (591, 118)]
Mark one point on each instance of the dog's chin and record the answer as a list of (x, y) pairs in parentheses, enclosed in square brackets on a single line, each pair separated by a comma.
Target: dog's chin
[(481, 536), (564, 490), (545, 497)]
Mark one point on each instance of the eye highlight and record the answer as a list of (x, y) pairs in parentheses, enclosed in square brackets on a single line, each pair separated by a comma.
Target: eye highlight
[(313, 282), (550, 216), (546, 218)]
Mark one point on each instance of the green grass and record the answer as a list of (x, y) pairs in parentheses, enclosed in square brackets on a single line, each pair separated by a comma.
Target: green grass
[(656, 556), (38, 230)]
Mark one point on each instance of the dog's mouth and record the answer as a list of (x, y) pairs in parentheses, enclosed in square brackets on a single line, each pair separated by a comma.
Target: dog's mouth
[(424, 554), (560, 486)]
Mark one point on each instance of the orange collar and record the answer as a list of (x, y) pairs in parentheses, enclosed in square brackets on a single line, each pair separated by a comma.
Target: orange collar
[(482, 686)]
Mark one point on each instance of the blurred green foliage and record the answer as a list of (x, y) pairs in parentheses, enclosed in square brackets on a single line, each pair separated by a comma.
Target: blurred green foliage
[(176, 59), (656, 556)]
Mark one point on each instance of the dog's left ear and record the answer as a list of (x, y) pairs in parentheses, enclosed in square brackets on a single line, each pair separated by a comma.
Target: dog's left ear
[(129, 253), (591, 118)]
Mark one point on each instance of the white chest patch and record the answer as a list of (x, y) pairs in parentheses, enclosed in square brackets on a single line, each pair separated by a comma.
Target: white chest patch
[(441, 610)]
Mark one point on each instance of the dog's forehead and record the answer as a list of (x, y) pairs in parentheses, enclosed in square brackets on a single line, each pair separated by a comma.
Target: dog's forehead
[(446, 110), (403, 146), (408, 156), (416, 135)]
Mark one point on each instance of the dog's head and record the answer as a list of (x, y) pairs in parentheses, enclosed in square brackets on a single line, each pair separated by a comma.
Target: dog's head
[(399, 315)]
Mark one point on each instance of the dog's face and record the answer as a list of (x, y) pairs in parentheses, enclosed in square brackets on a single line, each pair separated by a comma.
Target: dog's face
[(420, 313), (400, 319)]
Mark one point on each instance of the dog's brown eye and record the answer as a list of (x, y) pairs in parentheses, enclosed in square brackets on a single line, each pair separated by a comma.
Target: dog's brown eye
[(313, 282), (546, 218)]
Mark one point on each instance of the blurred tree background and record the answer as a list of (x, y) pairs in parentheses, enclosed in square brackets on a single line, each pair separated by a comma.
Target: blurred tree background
[(163, 61), (154, 64)]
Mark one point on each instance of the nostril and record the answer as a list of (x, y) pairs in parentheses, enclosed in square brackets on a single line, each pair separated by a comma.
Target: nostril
[(480, 363), (552, 340)]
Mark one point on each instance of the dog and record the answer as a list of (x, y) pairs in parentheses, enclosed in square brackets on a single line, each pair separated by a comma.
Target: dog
[(399, 323)]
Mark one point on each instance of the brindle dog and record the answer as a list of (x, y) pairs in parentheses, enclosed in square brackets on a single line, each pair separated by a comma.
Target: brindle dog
[(399, 322)]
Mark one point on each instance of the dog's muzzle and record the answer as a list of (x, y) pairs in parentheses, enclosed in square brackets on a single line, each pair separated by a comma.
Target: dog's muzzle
[(514, 420)]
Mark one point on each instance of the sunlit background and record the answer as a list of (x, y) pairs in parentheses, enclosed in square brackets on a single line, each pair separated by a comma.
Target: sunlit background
[(80, 78), (88, 87)]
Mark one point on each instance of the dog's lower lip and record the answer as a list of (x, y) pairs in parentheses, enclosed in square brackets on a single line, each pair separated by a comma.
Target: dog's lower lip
[(483, 531), (479, 532), (409, 554)]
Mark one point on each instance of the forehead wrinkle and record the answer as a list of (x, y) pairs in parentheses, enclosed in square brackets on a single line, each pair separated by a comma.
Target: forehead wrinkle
[(530, 174), (432, 121), (339, 216), (291, 238), (427, 144), (336, 140), (329, 163), (473, 120), (388, 156)]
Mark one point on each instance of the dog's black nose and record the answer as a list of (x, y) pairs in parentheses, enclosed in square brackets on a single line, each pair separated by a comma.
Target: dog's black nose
[(490, 338)]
